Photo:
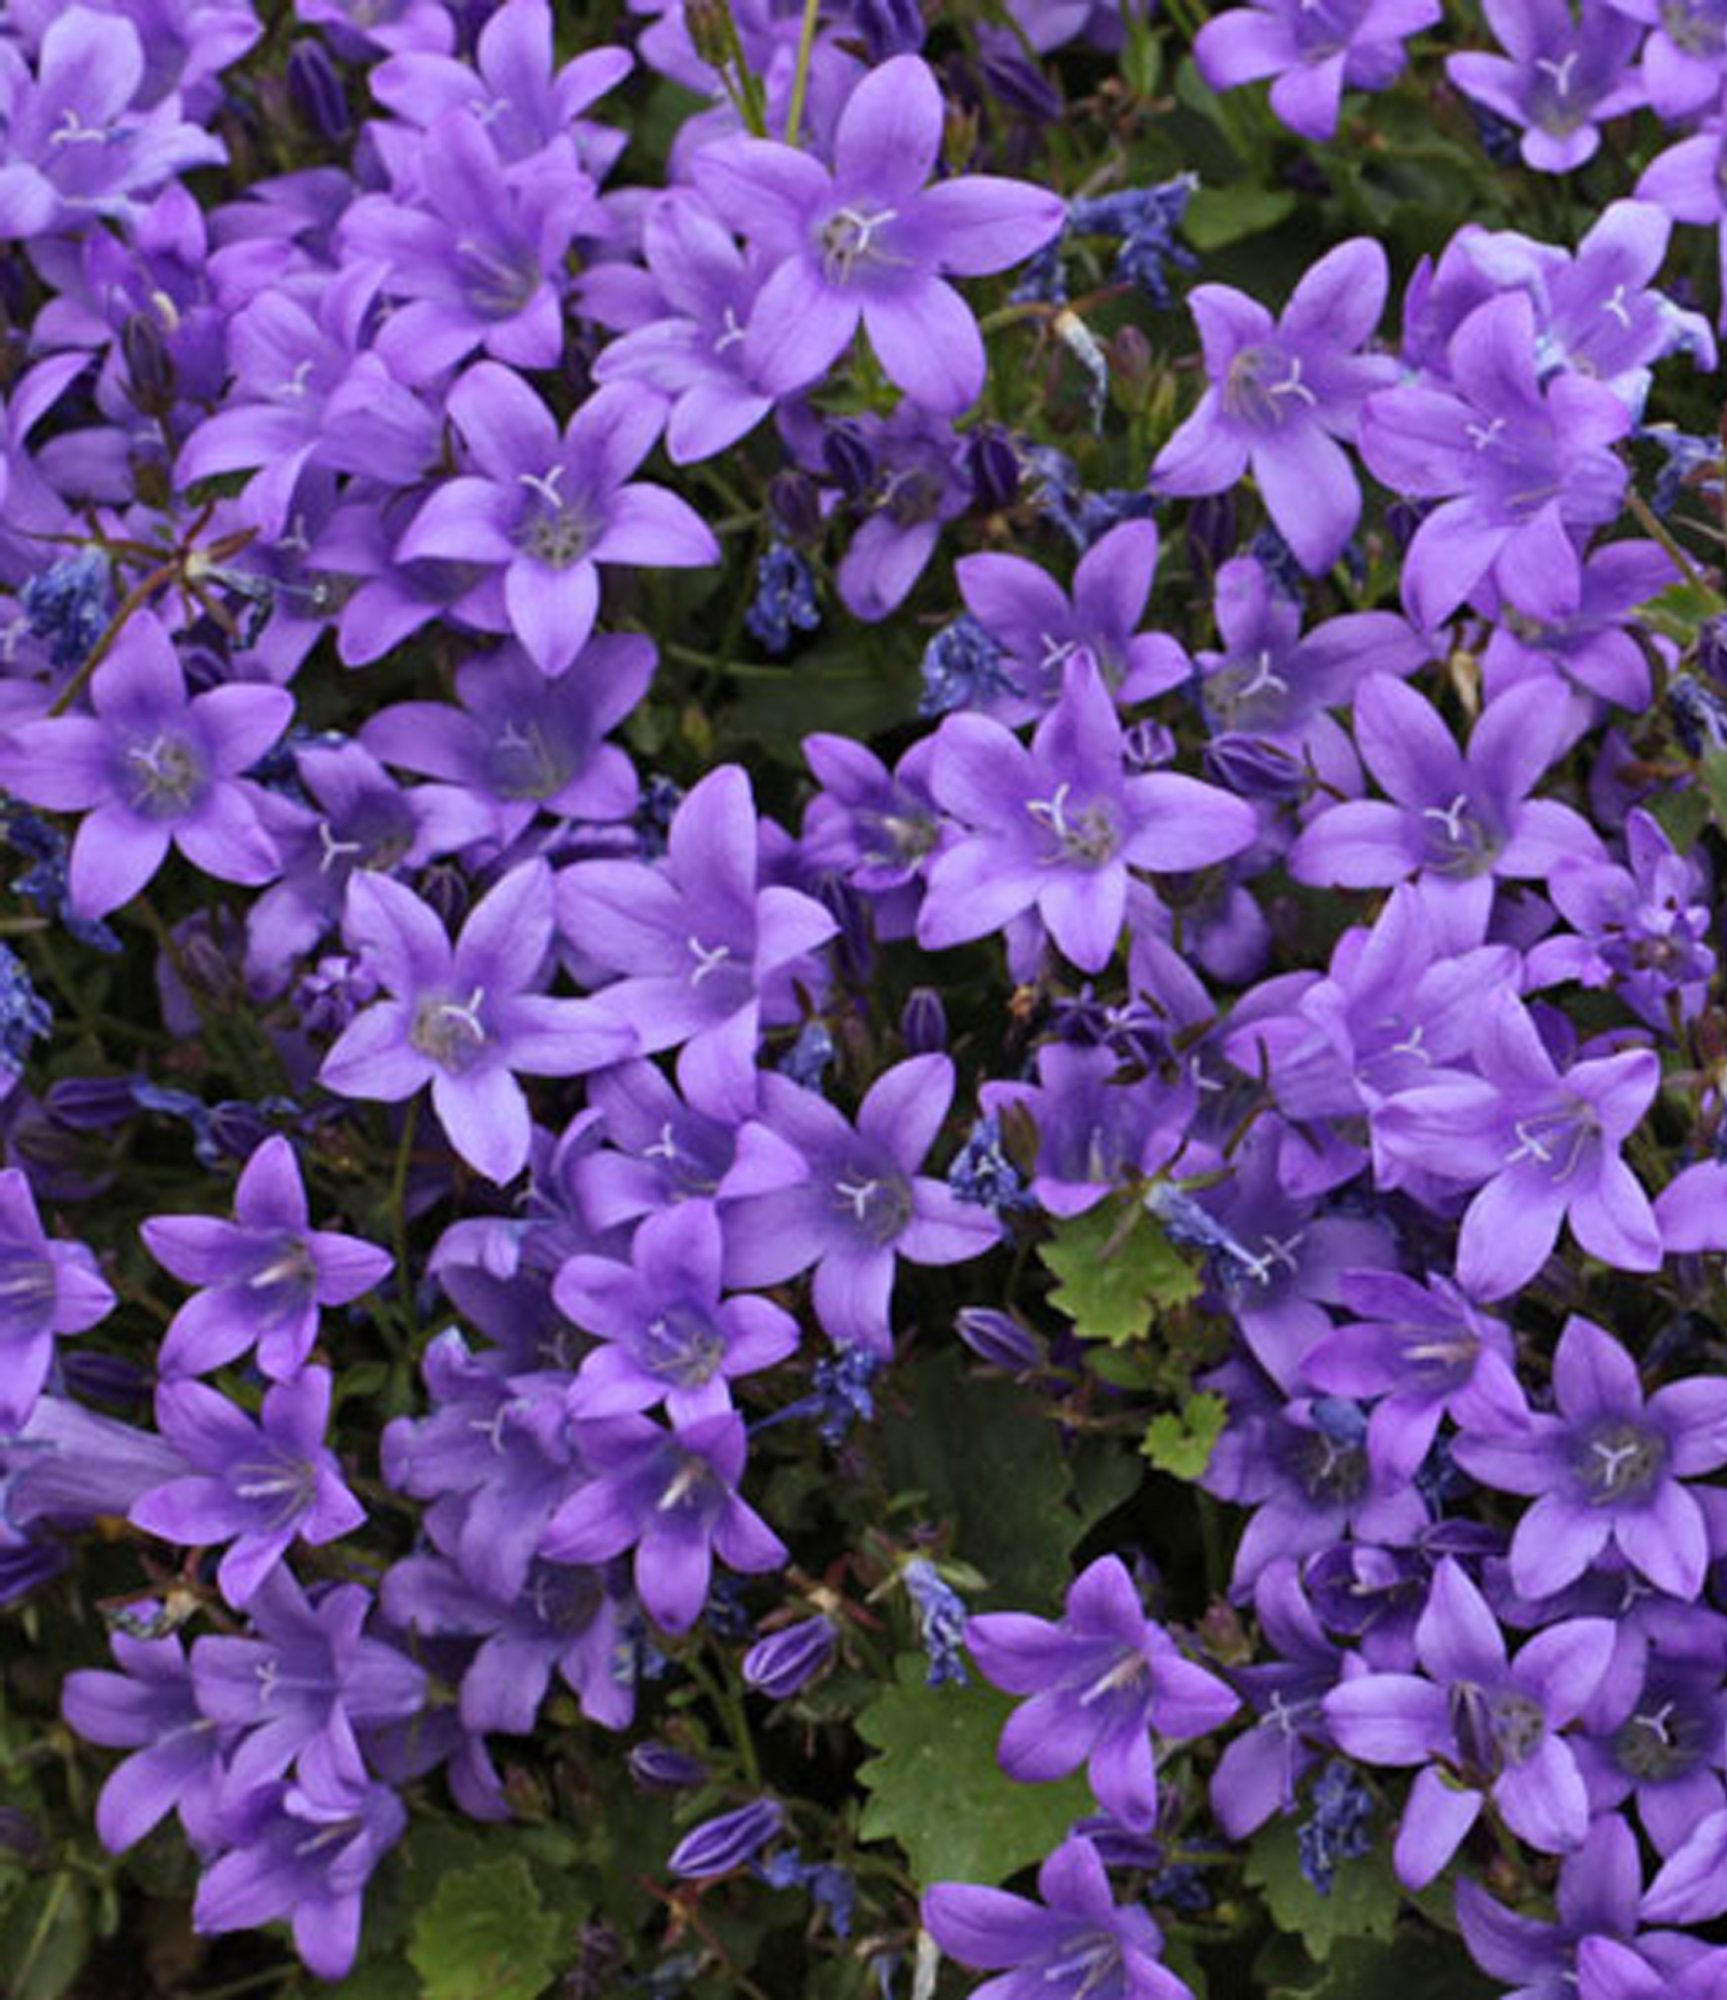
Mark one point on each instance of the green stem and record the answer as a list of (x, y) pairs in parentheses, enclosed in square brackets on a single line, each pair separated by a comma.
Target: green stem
[(801, 76), (399, 1216), (730, 1710), (1652, 525), (134, 600)]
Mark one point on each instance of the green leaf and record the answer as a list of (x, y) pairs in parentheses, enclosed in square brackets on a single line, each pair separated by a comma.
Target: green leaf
[(1415, 1965), (1363, 1903), (1179, 1442), (384, 1979), (1141, 58), (1681, 610), (45, 1938), (1218, 216), (937, 1789), (485, 1935), (1682, 816), (1116, 1269), (1714, 773)]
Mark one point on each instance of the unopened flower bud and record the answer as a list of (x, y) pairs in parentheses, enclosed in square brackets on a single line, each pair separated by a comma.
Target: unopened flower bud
[(150, 371), (999, 1339), (1210, 531), (923, 1022), (315, 91), (719, 1845), (1255, 767), (657, 1767), (796, 506), (994, 467), (788, 1660)]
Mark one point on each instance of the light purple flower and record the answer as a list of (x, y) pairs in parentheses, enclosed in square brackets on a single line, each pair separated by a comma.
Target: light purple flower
[(1280, 395), (1059, 827), (1563, 75), (158, 767), (1101, 1682), (541, 512), (863, 1203), (1607, 1468), (263, 1276), (1491, 1722), (1313, 50), (464, 1017), (47, 1289), (871, 242)]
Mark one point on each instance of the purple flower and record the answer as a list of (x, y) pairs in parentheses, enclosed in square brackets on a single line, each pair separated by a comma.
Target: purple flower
[(666, 1334), (1491, 1722), (1101, 1681), (719, 1845), (1313, 49), (256, 1486), (1607, 1468), (1058, 827), (1591, 650), (47, 1289), (1541, 1146), (159, 768), (1562, 77), (263, 1276), (76, 144), (1281, 393), (463, 1018), (1038, 629), (150, 1709), (303, 1852), (706, 954), (785, 1662), (1077, 1944), (541, 513), (1517, 465), (870, 241), (672, 1497), (1460, 817), (862, 1204)]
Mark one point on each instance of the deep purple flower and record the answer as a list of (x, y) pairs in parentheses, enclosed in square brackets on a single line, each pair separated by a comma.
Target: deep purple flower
[(541, 512), (672, 1497), (1101, 1682), (1492, 1722), (47, 1289), (1563, 75), (862, 1205), (1077, 1944), (1060, 826), (706, 954), (262, 1277), (257, 1487), (464, 1017), (1540, 1145), (870, 241), (157, 766), (1280, 395), (1312, 50), (785, 1662), (1516, 463), (666, 1334), (1607, 1468), (1592, 650)]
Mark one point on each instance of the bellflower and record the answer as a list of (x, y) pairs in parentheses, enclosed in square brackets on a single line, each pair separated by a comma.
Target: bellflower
[(862, 1205), (263, 1276), (1038, 629), (541, 512), (1101, 1681), (666, 1334), (464, 1017), (77, 143), (255, 1486), (1592, 651), (1563, 76), (1492, 1722), (1683, 53), (672, 1497), (47, 1289), (1516, 464), (1060, 826), (1607, 1468), (1460, 818), (1076, 1942), (1687, 181), (1658, 1732), (1280, 395), (159, 768), (706, 954), (1312, 52), (869, 241), (1541, 1146)]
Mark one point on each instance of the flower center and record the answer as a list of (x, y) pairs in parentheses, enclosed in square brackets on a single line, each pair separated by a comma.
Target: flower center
[(848, 240), (553, 531), (1661, 1742), (683, 1346), (1620, 1462), (1456, 840), (1086, 838), (1263, 388), (450, 1031), (879, 1205), (164, 777)]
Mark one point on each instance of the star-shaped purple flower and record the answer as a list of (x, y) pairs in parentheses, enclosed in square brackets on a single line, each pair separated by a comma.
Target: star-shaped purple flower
[(47, 1289)]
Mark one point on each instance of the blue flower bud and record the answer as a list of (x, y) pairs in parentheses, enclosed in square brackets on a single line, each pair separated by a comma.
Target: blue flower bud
[(786, 1661), (657, 1767), (923, 1022), (999, 1339), (719, 1845)]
